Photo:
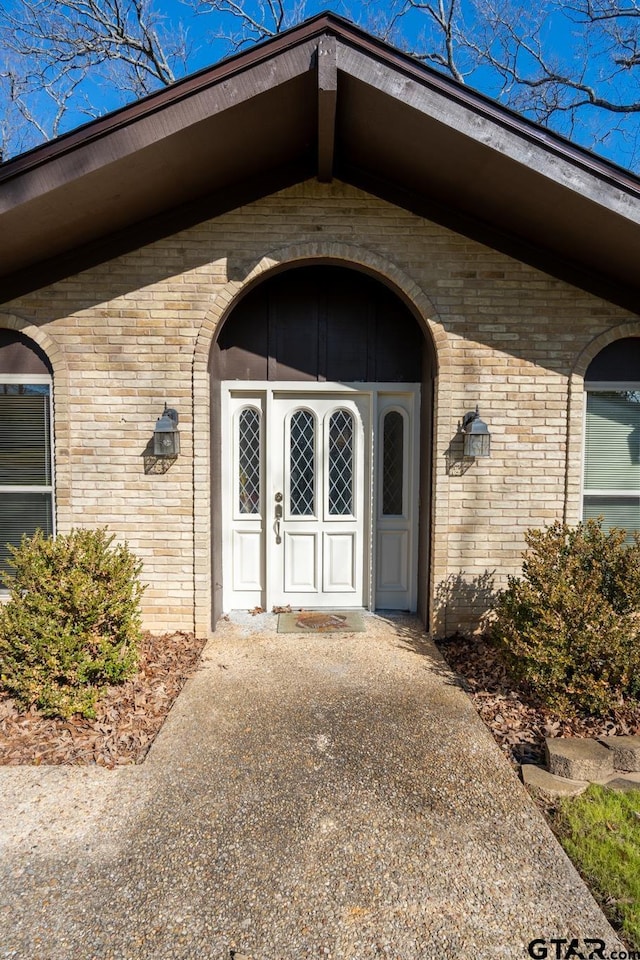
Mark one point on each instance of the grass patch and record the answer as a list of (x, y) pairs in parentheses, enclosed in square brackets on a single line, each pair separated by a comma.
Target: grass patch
[(600, 831)]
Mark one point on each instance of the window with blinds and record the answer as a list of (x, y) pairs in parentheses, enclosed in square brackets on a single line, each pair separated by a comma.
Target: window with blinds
[(26, 482), (612, 458)]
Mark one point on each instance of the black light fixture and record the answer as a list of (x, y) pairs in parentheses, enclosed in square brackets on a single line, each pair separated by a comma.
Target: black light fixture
[(477, 439), (166, 438)]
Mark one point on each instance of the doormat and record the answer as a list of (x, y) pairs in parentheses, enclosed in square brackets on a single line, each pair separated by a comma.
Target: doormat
[(321, 621)]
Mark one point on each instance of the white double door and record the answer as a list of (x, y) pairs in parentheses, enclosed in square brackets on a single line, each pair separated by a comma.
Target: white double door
[(298, 498)]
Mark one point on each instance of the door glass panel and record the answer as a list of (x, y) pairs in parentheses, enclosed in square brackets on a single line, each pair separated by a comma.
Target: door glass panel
[(392, 464), (341, 464), (249, 461), (302, 465)]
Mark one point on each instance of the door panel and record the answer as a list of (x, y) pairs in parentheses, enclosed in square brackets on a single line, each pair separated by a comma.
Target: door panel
[(318, 465), (243, 482), (397, 501), (247, 559), (301, 562), (393, 554), (339, 563)]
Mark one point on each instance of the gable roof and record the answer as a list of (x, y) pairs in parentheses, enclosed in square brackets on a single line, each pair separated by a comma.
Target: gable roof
[(323, 99)]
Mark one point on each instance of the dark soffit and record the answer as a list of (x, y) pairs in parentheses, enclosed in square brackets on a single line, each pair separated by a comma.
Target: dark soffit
[(322, 99)]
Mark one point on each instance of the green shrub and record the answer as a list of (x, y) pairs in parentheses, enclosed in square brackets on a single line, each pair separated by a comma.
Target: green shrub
[(570, 626), (72, 623)]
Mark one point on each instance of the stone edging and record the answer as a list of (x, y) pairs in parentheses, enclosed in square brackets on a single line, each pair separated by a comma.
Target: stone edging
[(573, 763)]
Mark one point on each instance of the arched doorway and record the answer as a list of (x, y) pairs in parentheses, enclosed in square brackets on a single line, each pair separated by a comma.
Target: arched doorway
[(321, 415)]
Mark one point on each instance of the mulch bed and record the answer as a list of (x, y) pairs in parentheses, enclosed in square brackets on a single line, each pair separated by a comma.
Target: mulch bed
[(128, 718), (518, 722)]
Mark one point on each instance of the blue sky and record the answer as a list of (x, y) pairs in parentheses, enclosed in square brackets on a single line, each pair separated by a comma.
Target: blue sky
[(594, 128)]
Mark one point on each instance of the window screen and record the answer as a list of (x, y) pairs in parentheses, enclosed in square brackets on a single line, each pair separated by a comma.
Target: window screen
[(612, 458), (26, 490)]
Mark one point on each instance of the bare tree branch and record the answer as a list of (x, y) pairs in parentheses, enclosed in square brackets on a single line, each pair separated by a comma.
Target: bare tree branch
[(573, 65), (49, 49), (240, 24)]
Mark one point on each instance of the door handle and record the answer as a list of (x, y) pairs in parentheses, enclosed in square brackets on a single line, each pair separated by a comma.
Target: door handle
[(278, 519)]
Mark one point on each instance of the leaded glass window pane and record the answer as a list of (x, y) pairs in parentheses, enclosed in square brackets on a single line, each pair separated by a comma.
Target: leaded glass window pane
[(302, 465), (392, 464), (249, 461), (341, 463)]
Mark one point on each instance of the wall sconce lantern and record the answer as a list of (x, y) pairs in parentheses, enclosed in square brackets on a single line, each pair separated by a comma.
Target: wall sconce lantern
[(166, 438), (477, 439)]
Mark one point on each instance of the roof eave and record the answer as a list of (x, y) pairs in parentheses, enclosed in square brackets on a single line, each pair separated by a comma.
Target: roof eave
[(298, 105)]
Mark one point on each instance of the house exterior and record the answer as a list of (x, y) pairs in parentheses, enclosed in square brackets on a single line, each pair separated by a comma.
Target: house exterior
[(323, 256)]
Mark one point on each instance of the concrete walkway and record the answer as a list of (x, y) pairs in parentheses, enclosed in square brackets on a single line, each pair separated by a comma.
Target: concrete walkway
[(332, 796)]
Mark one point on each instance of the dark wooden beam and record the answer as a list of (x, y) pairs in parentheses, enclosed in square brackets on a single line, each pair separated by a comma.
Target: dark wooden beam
[(327, 99)]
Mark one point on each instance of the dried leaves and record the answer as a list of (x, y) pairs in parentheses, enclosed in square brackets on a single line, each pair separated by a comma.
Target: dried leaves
[(128, 716), (518, 722)]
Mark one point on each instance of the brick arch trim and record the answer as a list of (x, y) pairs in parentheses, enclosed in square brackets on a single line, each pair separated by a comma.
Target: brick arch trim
[(341, 254), (9, 321), (629, 329)]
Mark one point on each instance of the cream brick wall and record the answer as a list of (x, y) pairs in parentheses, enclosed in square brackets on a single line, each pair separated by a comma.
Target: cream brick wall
[(135, 332)]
